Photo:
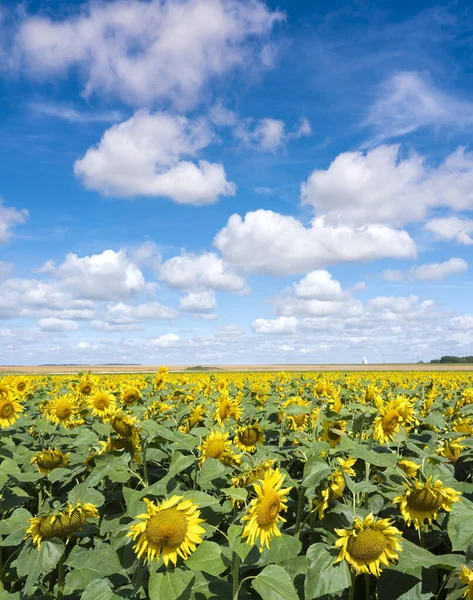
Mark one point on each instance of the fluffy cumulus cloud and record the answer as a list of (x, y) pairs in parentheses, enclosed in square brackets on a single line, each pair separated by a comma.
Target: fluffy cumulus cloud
[(110, 275), (270, 243), (147, 51), (428, 271), (126, 316), (279, 326), (199, 272), (197, 302), (165, 341), (54, 324), (381, 186), (9, 217), (319, 284), (407, 101), (452, 229), (144, 156)]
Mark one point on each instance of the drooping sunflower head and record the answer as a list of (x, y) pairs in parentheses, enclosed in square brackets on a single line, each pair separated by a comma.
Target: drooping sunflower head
[(247, 438), (169, 529), (63, 410), (451, 449), (409, 467), (102, 404), (251, 475), (122, 424), (60, 524), (264, 512), (10, 410), (130, 395), (368, 544), (195, 418), (49, 459), (333, 432), (424, 501)]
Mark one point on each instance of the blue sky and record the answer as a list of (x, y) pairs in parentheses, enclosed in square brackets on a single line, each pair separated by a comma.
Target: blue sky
[(205, 181)]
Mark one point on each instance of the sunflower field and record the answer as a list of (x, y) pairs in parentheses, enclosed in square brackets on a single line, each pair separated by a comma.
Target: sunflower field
[(236, 486)]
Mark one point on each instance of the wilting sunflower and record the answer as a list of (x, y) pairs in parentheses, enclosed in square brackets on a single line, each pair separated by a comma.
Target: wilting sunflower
[(334, 488), (466, 577), (333, 431), (130, 395), (63, 410), (10, 410), (123, 424), (263, 517), (61, 524), (247, 438), (368, 544), (424, 501), (409, 467), (102, 404), (451, 449), (253, 474), (168, 529), (49, 459)]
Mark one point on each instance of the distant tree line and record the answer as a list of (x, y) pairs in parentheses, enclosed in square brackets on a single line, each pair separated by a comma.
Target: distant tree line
[(452, 359)]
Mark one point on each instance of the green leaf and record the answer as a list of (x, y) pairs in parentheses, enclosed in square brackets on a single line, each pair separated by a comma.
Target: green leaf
[(324, 577), (99, 590), (33, 564), (171, 585), (180, 462), (207, 558), (274, 583), (134, 502), (88, 565), (281, 548), (315, 470), (211, 469), (236, 493), (236, 544), (82, 492), (460, 524), (394, 585), (413, 557), (14, 527), (379, 459)]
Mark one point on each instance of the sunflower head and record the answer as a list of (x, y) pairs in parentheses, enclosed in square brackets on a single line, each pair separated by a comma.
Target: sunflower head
[(63, 410), (102, 403), (296, 422), (368, 544), (466, 577), (409, 467), (49, 459), (61, 524), (424, 501), (169, 529), (215, 445), (195, 418), (130, 395), (333, 432), (10, 410), (264, 513), (247, 438), (122, 424)]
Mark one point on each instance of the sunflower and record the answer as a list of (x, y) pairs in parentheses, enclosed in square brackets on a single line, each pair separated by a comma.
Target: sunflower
[(21, 385), (247, 438), (61, 524), (123, 424), (86, 386), (226, 409), (409, 467), (157, 408), (160, 378), (130, 395), (466, 577), (368, 544), (263, 515), (296, 422), (63, 410), (131, 444), (168, 529), (387, 423), (335, 487), (48, 460), (102, 404), (423, 502), (333, 431), (253, 474), (463, 426), (216, 445), (195, 418), (451, 449), (5, 391), (10, 410)]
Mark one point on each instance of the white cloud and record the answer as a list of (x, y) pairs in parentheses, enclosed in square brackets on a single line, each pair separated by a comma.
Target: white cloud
[(121, 313), (452, 229), (9, 217), (222, 116), (166, 340), (393, 275), (394, 304), (407, 102), (463, 322), (280, 326), (54, 324), (268, 135), (319, 284), (143, 157), (382, 187), (148, 51), (72, 115), (146, 255), (198, 302), (438, 271), (201, 271), (107, 276), (270, 243), (6, 269), (304, 129)]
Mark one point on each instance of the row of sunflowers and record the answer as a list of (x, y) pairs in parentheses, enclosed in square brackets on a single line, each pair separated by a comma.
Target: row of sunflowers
[(280, 486)]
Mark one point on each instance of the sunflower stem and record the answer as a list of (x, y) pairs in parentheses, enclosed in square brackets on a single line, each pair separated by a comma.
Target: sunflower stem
[(281, 433), (300, 506), (367, 586), (235, 576), (145, 464), (351, 594), (60, 577)]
